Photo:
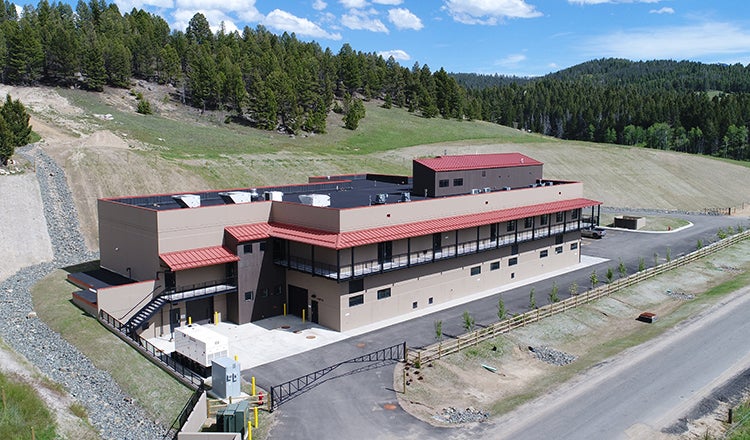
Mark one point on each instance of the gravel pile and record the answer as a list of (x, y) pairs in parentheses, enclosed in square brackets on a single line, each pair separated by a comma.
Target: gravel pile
[(110, 410), (456, 416), (679, 295), (552, 356)]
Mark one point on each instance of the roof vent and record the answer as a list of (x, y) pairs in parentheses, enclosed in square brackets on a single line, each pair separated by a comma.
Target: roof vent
[(275, 196), (188, 200), (405, 197), (380, 199), (230, 197), (315, 199), (487, 189), (476, 191)]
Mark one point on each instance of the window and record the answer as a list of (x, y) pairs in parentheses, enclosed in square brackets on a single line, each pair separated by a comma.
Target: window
[(495, 265), (429, 300), (493, 231), (484, 173), (514, 249), (574, 214), (384, 293), (544, 219), (356, 300), (248, 248), (573, 246), (476, 270), (249, 295), (385, 252), (443, 183), (262, 246), (356, 286), (559, 217), (513, 261), (512, 275), (414, 305), (543, 254), (558, 250), (437, 242), (511, 225), (558, 239), (458, 182), (528, 222)]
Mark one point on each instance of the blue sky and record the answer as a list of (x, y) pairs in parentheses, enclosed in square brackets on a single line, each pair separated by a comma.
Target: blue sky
[(512, 37)]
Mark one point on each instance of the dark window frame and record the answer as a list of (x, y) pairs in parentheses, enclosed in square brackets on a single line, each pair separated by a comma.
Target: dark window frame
[(356, 300), (512, 261), (543, 253), (458, 181), (495, 265), (384, 293), (444, 183), (476, 270)]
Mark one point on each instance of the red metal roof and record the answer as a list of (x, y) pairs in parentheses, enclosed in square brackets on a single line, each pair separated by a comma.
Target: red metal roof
[(192, 258), (251, 232), (477, 161), (333, 240)]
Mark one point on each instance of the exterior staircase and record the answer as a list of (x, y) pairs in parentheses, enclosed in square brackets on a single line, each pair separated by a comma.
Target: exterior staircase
[(145, 313)]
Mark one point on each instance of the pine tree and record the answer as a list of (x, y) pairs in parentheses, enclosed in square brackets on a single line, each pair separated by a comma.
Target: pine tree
[(17, 121), (354, 111)]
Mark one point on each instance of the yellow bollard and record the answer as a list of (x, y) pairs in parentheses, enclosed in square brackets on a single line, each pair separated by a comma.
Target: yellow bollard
[(284, 309), (216, 318), (255, 410), (252, 382), (236, 358), (190, 320), (303, 315), (249, 430)]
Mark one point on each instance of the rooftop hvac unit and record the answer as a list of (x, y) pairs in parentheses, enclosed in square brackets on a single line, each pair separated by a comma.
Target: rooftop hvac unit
[(275, 196), (188, 200), (200, 344), (315, 199), (487, 189), (230, 197), (405, 197), (254, 194), (476, 191), (380, 199), (506, 188)]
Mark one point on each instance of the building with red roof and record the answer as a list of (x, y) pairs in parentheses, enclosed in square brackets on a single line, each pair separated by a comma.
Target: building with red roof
[(344, 251)]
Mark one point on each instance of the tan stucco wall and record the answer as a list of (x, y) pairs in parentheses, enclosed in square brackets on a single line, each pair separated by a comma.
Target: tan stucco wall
[(118, 300), (128, 238)]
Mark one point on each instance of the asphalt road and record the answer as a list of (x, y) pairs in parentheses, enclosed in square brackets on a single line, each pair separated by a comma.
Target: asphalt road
[(351, 404)]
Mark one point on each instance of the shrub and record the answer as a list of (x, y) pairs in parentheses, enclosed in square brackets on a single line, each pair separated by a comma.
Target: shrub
[(144, 107), (468, 321)]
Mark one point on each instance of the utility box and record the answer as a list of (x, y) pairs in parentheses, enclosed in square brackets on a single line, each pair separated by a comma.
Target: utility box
[(225, 377), (200, 344), (234, 417)]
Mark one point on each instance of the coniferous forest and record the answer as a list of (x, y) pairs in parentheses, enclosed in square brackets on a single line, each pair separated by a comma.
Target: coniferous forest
[(277, 82)]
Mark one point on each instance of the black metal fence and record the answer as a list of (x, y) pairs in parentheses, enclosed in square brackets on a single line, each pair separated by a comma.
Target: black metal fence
[(283, 392)]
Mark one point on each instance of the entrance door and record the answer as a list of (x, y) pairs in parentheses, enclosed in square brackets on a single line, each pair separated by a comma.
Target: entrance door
[(297, 300), (200, 311), (174, 319), (314, 311), (169, 280)]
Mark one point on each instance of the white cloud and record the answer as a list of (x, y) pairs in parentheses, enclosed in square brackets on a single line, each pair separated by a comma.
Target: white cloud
[(353, 4), (128, 5), (404, 19), (511, 60), (662, 11), (286, 22), (388, 2), (601, 2), (361, 20), (680, 42), (319, 5), (397, 54), (488, 12)]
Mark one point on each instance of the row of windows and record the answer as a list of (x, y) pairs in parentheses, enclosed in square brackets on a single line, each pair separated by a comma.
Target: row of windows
[(357, 300), (248, 248), (443, 183), (264, 293)]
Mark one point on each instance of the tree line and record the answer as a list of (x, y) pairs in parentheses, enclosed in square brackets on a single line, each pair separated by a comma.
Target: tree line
[(277, 82)]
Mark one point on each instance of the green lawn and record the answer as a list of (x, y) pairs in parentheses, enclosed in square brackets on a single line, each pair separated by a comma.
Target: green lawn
[(156, 391), (23, 412)]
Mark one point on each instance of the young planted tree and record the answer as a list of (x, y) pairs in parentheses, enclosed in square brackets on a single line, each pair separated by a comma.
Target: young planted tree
[(669, 254), (468, 321), (699, 244), (641, 264), (622, 269), (610, 274), (573, 289), (501, 312), (553, 294), (656, 259), (439, 330), (532, 299), (594, 279)]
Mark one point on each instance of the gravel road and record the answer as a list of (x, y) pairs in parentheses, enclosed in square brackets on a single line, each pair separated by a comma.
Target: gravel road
[(110, 409)]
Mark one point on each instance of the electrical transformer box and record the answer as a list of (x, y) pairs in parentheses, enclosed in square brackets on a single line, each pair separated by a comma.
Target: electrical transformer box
[(200, 344), (226, 377)]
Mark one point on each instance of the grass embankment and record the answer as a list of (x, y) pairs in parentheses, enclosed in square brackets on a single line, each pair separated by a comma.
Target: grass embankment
[(156, 391), (22, 412), (593, 332)]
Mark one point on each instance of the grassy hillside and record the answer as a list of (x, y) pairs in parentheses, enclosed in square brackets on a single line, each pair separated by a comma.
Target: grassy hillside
[(180, 149)]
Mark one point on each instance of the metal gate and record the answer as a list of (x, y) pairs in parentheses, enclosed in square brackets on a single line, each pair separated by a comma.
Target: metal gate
[(288, 390)]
